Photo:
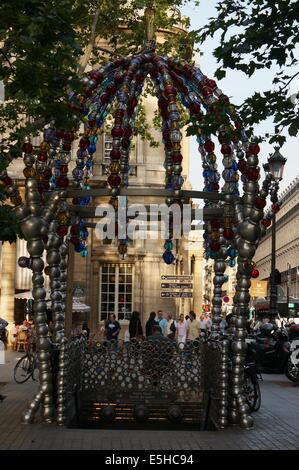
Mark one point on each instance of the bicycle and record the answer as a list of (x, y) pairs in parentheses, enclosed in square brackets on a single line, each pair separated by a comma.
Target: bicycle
[(252, 389), (26, 367)]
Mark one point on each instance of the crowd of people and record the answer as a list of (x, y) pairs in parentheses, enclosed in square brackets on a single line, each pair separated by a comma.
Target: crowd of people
[(185, 328)]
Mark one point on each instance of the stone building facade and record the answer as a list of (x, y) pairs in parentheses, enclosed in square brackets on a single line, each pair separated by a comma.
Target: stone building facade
[(287, 241)]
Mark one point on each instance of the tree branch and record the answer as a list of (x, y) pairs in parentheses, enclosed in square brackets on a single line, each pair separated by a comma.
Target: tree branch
[(292, 78), (85, 58)]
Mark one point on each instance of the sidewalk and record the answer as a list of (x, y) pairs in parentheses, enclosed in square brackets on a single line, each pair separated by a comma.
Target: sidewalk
[(276, 424)]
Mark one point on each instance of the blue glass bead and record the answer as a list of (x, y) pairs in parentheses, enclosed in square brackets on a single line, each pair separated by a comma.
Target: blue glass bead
[(225, 278), (168, 245), (235, 166), (232, 263), (168, 257), (92, 148), (84, 253)]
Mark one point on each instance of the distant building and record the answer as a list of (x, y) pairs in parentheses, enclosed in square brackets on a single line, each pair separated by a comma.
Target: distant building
[(287, 241)]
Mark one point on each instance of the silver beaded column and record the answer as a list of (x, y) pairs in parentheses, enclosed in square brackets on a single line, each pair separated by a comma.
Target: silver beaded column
[(62, 382), (223, 385), (53, 260), (28, 415), (34, 228), (219, 269), (60, 324)]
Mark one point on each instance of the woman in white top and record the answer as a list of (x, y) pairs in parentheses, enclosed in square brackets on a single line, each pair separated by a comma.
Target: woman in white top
[(181, 330)]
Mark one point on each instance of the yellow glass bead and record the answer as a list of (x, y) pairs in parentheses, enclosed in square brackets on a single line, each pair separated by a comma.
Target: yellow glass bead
[(212, 158), (227, 221), (62, 218), (215, 235), (250, 265), (40, 177), (114, 167), (44, 146), (236, 177), (16, 200), (29, 172)]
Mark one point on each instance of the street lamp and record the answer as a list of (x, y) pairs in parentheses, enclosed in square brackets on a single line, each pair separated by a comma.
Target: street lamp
[(275, 167)]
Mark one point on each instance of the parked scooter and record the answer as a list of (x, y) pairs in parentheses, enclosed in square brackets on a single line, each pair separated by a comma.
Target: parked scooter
[(272, 348), (292, 365)]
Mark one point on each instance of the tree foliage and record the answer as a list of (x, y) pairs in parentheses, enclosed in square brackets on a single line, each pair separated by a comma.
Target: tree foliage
[(259, 34)]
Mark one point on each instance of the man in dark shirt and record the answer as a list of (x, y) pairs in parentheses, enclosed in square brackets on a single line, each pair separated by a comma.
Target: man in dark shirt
[(113, 328)]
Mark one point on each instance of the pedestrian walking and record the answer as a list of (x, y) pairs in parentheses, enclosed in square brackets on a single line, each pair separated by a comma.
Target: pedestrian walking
[(181, 331), (135, 327), (193, 333), (171, 327), (162, 322), (150, 323), (112, 328)]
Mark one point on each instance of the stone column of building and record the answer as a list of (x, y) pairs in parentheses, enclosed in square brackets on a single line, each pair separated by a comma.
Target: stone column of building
[(7, 301), (197, 283), (94, 296)]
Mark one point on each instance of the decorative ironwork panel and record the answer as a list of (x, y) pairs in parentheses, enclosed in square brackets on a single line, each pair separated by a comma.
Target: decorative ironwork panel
[(156, 369)]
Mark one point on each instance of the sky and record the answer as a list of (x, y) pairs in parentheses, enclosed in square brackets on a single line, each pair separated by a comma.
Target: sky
[(238, 87)]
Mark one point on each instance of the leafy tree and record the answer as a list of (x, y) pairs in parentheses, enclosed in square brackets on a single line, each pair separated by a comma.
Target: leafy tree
[(258, 34), (46, 45)]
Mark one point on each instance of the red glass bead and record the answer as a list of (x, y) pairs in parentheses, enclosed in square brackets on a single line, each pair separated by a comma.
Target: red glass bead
[(212, 84), (207, 91), (119, 113), (87, 91), (119, 79), (162, 103), (128, 132), (260, 203), (275, 208), (215, 246), (64, 169), (266, 222), (117, 132), (133, 102), (194, 108), (170, 90), (114, 181), (96, 76), (238, 125), (125, 143), (209, 146), (42, 157), (75, 241), (47, 270), (27, 147), (75, 230), (215, 224), (76, 200), (104, 98), (215, 187), (7, 181), (228, 233), (242, 166), (254, 149), (45, 239), (111, 89), (168, 145), (84, 143), (115, 154), (66, 146), (252, 174), (226, 149), (62, 181), (255, 273), (69, 136), (59, 134), (62, 230), (177, 157)]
